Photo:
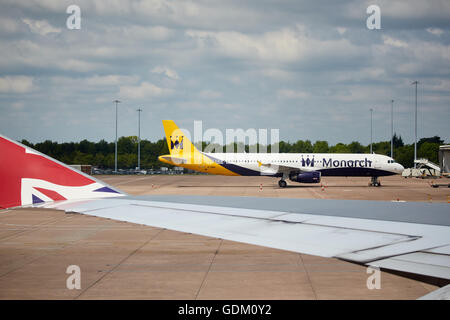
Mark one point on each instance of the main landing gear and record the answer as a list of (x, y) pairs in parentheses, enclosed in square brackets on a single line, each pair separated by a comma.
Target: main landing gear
[(282, 183), (374, 182)]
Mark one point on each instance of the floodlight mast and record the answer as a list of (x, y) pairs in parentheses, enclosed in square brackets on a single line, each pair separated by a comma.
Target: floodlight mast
[(415, 127), (392, 129), (139, 138), (115, 156), (371, 112)]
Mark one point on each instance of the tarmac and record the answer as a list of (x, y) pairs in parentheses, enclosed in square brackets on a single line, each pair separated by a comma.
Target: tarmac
[(119, 260)]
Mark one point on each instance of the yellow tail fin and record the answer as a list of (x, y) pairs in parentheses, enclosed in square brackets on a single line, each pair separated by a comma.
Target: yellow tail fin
[(179, 145), (183, 153)]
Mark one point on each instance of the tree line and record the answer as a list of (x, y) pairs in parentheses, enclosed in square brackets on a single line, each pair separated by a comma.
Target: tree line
[(101, 154)]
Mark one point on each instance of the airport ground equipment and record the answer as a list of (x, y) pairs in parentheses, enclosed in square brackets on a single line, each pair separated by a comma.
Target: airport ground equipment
[(444, 160)]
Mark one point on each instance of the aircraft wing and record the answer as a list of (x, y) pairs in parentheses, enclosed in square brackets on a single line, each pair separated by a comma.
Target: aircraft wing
[(408, 237), (267, 167)]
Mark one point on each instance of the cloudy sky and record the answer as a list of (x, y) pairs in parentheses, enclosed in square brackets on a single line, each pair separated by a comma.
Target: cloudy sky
[(309, 68)]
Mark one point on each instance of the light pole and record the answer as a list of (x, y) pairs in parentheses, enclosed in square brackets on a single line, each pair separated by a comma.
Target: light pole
[(115, 157), (139, 138), (415, 127), (392, 129), (371, 111)]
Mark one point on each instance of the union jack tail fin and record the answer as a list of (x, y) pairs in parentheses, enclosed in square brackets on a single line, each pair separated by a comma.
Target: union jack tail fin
[(30, 177)]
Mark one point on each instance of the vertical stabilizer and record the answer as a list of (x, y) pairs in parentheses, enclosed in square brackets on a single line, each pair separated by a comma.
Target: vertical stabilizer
[(29, 177)]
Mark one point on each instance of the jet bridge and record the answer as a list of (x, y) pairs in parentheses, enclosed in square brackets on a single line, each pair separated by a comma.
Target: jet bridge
[(444, 160)]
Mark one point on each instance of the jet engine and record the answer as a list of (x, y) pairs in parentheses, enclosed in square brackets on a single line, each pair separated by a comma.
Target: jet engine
[(306, 177)]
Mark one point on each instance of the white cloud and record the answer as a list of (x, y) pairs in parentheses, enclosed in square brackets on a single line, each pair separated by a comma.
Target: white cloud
[(144, 90), (276, 73), (110, 80), (408, 68), (78, 65), (394, 42), (292, 94), (95, 81), (18, 105), (284, 45), (362, 94), (16, 84), (281, 46), (8, 25), (41, 27), (138, 32), (210, 94), (439, 85), (341, 30), (435, 31), (169, 73), (362, 74)]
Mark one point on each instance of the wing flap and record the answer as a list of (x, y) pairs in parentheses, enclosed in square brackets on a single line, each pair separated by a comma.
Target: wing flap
[(430, 264)]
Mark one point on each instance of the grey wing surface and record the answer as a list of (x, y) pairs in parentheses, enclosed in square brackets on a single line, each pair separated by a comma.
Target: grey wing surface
[(408, 237)]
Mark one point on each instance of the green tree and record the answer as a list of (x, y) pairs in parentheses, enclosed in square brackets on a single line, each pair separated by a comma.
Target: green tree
[(302, 147), (356, 147), (86, 146), (405, 156), (99, 160), (397, 141), (321, 147), (429, 150), (382, 147), (27, 143), (82, 158), (102, 147), (434, 139), (340, 148), (284, 147), (127, 145)]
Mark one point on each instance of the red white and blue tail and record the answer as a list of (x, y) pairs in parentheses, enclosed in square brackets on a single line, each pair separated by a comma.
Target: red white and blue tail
[(30, 177)]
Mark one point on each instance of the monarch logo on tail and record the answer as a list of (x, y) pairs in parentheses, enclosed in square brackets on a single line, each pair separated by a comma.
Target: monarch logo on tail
[(177, 143)]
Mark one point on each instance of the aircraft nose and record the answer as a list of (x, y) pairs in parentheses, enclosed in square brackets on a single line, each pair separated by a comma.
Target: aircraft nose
[(400, 168)]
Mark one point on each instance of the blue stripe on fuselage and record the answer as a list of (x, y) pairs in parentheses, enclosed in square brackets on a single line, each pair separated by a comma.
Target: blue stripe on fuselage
[(235, 168), (355, 172)]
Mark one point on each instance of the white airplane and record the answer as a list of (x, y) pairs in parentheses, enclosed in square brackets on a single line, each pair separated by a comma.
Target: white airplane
[(403, 237), (298, 167)]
